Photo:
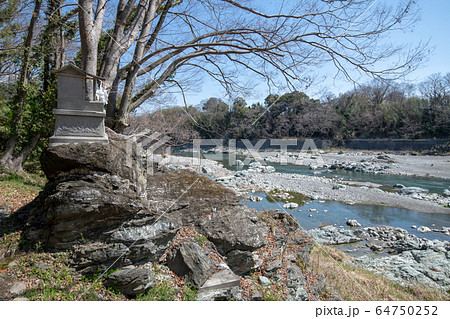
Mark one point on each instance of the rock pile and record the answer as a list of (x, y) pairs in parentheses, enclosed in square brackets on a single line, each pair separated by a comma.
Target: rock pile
[(395, 240), (331, 235), (411, 260), (423, 194), (426, 267)]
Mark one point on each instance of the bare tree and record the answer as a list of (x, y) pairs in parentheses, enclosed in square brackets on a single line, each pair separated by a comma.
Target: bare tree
[(14, 26), (152, 41), (436, 88), (170, 122)]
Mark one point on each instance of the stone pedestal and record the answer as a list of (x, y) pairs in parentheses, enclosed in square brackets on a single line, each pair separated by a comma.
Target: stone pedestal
[(78, 116)]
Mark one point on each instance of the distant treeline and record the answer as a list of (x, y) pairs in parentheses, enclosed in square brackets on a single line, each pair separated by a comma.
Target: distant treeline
[(376, 110)]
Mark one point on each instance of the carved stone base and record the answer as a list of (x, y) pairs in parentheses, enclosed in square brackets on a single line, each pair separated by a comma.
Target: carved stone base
[(74, 126)]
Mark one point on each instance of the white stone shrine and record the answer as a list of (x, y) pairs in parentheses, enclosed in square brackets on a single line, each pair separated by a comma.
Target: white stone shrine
[(80, 113)]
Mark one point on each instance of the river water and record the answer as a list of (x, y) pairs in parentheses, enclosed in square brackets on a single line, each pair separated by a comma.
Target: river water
[(434, 185), (366, 215)]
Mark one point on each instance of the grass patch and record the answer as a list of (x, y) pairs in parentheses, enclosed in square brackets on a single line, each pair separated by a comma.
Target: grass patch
[(270, 295), (359, 284), (275, 292), (200, 239), (49, 277), (286, 197), (198, 191), (166, 291)]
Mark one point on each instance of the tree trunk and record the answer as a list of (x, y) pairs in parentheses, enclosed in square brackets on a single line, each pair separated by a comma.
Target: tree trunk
[(111, 106), (23, 77), (8, 159), (133, 71), (13, 161)]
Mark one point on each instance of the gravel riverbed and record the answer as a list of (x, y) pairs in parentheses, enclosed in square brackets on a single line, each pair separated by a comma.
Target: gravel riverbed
[(262, 178)]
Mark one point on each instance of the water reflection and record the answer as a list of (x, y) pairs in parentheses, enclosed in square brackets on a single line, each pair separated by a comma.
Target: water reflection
[(366, 215)]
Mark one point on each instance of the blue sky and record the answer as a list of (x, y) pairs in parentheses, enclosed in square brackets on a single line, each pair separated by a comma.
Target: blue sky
[(433, 26)]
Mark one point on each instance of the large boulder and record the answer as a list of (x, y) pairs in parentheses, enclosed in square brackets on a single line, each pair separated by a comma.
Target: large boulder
[(238, 228), (80, 207), (412, 191), (95, 204), (353, 223), (130, 281), (395, 240), (241, 261), (190, 261), (113, 158)]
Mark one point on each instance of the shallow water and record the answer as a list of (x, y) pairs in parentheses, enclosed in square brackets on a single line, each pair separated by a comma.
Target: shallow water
[(366, 215), (434, 185)]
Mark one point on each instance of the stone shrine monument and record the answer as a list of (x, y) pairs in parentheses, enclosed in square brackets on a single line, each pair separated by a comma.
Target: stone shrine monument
[(80, 113)]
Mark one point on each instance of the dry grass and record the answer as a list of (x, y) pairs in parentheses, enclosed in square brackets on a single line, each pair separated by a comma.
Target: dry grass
[(17, 190), (173, 184), (354, 283)]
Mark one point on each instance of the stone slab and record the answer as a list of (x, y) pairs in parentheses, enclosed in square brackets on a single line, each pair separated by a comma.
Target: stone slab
[(222, 279), (55, 140), (70, 104), (88, 113)]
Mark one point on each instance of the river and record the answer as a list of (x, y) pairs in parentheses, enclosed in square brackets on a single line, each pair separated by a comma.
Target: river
[(366, 215), (434, 185)]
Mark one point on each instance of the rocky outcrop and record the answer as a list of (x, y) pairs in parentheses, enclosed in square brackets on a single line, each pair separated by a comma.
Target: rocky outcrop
[(411, 260), (94, 205), (112, 158), (424, 194), (81, 207), (425, 267), (92, 190), (101, 206), (234, 229)]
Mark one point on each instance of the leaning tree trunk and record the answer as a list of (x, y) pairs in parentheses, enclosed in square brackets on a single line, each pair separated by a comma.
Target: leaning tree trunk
[(117, 115), (132, 73), (15, 161), (9, 158)]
